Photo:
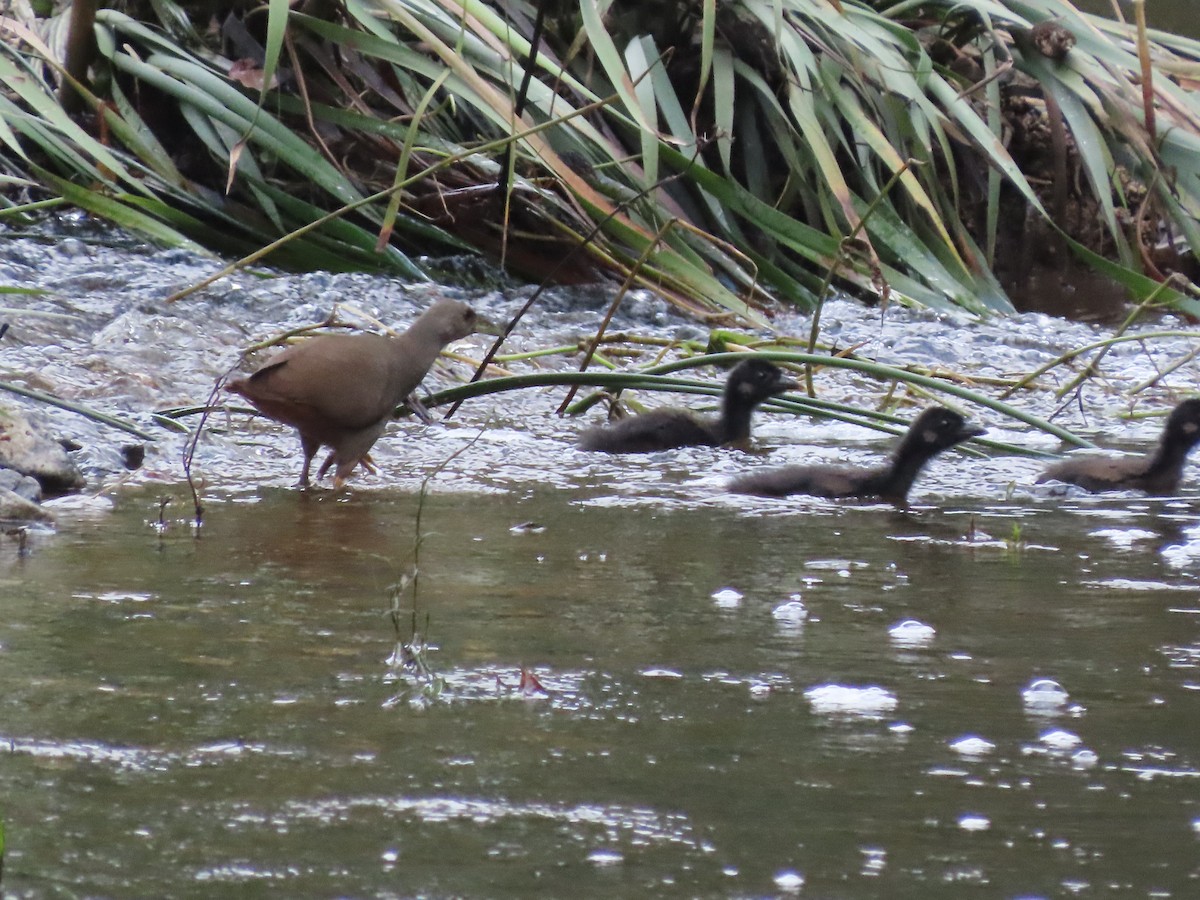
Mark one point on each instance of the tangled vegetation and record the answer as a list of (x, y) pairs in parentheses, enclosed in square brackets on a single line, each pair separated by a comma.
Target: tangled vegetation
[(719, 154)]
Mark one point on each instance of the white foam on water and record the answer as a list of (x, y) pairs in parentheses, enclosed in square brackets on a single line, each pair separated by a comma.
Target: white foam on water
[(839, 699), (911, 633), (789, 880), (1061, 740), (974, 822), (605, 858), (728, 598), (972, 745), (1044, 695), (793, 612)]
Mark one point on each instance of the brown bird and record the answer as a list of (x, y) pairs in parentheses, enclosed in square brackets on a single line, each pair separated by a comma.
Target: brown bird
[(750, 383), (339, 390), (1157, 472), (934, 430)]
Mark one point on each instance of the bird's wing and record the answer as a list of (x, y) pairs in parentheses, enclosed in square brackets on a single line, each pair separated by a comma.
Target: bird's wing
[(819, 481), (1099, 471), (336, 379), (660, 429)]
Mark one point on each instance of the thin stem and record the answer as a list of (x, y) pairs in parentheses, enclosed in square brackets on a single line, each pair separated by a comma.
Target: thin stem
[(843, 246)]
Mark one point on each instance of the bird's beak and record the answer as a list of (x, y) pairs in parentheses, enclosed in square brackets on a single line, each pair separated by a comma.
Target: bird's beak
[(787, 384), (484, 325), (970, 431)]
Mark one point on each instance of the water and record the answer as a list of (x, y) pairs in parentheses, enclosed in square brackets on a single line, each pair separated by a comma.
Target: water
[(1177, 16), (210, 717), (637, 685)]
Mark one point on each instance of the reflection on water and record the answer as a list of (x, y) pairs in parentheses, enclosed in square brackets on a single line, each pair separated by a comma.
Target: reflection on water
[(887, 709)]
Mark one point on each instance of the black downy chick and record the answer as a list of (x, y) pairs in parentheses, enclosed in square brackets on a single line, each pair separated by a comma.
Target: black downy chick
[(750, 383), (934, 430), (1157, 472)]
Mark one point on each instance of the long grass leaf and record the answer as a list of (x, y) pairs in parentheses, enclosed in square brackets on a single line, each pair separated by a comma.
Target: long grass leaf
[(122, 214)]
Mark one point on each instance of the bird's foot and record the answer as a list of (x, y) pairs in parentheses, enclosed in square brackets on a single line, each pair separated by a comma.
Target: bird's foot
[(418, 408)]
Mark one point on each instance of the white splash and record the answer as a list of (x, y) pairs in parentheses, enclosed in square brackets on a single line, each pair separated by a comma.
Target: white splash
[(791, 613), (840, 699), (911, 633), (1061, 740), (972, 746), (1044, 695), (728, 598)]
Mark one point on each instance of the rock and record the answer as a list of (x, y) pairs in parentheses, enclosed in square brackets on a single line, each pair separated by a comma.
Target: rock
[(28, 451), (15, 508), (79, 505), (23, 485)]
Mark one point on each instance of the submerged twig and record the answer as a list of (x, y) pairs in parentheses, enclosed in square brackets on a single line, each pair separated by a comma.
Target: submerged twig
[(1076, 352), (189, 449), (1093, 366), (1165, 371), (410, 653)]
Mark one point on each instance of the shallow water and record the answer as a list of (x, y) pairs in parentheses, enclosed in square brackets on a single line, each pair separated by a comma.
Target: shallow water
[(726, 706), (197, 717)]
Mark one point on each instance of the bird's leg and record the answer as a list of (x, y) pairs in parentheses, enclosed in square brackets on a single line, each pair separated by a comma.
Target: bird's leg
[(418, 408), (310, 448), (329, 461), (346, 468)]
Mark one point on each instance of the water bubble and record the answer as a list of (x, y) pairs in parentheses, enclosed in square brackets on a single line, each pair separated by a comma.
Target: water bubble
[(1084, 759), (791, 613), (728, 598), (605, 858), (789, 880), (972, 746), (661, 673), (1061, 740), (845, 700), (911, 633), (974, 822), (1044, 695)]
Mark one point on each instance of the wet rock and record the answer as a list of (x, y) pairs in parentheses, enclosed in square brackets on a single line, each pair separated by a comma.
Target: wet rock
[(30, 452), (15, 508), (22, 485)]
